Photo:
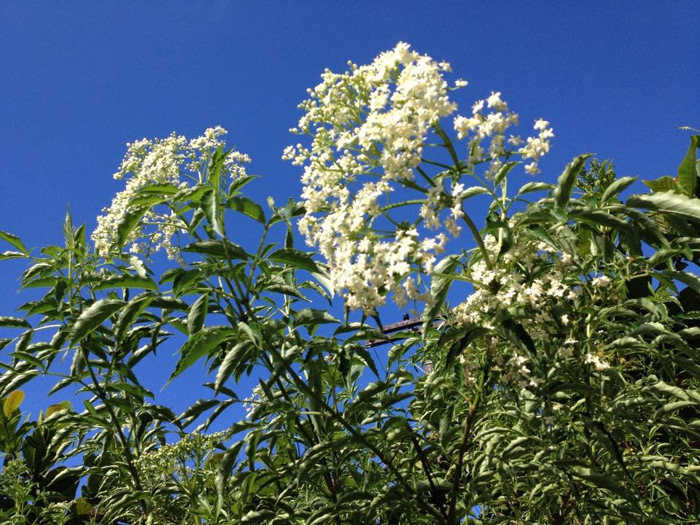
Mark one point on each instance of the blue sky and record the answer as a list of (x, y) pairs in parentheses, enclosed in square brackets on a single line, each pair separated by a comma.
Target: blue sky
[(80, 79)]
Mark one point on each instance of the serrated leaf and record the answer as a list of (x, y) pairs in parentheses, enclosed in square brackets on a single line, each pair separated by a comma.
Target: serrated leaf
[(201, 344), (129, 222), (668, 202), (232, 359), (473, 191), (197, 314), (14, 240), (197, 409), (311, 316), (247, 207), (687, 177), (12, 402), (14, 322), (534, 186), (616, 187), (130, 313), (596, 217), (295, 258), (439, 286), (567, 180), (217, 248), (692, 280), (503, 172), (127, 281), (663, 184), (93, 317)]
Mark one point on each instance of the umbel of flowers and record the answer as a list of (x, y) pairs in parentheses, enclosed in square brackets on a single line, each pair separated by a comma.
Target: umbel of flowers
[(371, 129)]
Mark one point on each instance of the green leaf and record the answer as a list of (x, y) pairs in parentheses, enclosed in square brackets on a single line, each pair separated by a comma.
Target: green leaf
[(443, 275), (127, 281), (668, 202), (14, 322), (159, 189), (212, 211), (201, 344), (687, 177), (692, 280), (247, 207), (93, 317), (600, 217), (129, 222), (14, 240), (83, 507), (232, 359), (197, 409), (12, 402), (218, 248), (663, 184), (503, 172), (534, 186), (11, 255), (311, 316), (130, 313), (211, 202), (473, 191), (295, 258), (197, 314), (567, 180), (616, 187)]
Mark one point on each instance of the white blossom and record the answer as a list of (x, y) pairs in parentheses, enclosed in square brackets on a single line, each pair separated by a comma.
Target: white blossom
[(172, 160)]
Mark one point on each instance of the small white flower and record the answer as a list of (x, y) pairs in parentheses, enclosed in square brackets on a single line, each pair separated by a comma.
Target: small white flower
[(600, 282)]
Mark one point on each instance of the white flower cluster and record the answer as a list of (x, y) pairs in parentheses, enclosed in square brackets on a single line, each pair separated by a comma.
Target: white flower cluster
[(372, 121), (251, 402), (502, 288), (485, 132), (370, 128), (533, 283), (172, 160), (170, 459)]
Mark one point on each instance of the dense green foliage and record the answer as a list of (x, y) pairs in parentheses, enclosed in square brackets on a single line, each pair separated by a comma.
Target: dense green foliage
[(564, 389)]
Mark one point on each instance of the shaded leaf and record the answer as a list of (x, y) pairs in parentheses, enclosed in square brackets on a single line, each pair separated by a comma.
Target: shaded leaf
[(247, 207), (197, 314), (14, 240), (668, 202), (14, 322), (93, 317), (567, 180), (200, 345), (295, 258)]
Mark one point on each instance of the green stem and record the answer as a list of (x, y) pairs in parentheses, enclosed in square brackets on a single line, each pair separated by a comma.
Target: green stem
[(477, 237)]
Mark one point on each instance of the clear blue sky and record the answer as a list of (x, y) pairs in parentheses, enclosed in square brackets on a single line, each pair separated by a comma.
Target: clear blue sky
[(79, 79)]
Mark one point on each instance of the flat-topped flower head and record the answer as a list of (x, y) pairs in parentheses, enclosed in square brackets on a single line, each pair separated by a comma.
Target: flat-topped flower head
[(172, 160), (371, 129)]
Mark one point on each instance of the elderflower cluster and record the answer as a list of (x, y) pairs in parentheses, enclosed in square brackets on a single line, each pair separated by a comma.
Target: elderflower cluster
[(485, 132), (173, 160), (370, 129), (373, 122), (175, 458), (536, 285)]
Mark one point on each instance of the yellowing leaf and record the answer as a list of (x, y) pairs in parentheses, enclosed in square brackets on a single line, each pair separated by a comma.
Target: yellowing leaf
[(12, 402)]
